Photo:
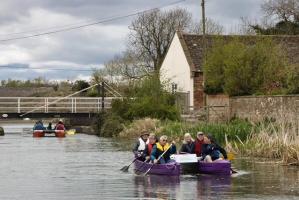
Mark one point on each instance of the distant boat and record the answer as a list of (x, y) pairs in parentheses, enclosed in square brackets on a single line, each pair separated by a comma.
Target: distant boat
[(42, 133)]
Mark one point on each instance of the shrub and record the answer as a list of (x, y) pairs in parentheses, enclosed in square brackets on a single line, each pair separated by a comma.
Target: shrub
[(149, 99), (107, 124), (134, 129), (240, 68)]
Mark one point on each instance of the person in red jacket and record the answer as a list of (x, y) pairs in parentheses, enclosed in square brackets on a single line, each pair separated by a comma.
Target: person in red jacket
[(60, 126), (198, 143), (149, 147)]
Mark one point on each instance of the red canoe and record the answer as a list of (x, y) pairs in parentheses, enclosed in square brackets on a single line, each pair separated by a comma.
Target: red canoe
[(38, 133), (41, 133)]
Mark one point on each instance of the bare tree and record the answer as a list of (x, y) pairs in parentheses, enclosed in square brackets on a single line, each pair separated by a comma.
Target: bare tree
[(152, 33), (212, 28), (286, 10)]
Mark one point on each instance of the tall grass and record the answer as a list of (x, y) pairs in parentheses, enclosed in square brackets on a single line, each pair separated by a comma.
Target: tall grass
[(274, 140), (234, 130)]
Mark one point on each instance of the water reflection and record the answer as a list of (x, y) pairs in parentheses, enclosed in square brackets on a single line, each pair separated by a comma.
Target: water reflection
[(154, 186), (213, 186)]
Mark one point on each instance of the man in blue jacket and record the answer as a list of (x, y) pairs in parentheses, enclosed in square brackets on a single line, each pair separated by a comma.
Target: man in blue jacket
[(160, 148)]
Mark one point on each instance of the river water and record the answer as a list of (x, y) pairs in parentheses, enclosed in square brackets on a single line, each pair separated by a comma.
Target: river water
[(87, 167)]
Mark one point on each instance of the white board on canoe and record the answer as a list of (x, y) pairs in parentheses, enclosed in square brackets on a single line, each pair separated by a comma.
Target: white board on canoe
[(185, 158)]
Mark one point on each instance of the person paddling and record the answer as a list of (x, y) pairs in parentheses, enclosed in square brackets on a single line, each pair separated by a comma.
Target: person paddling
[(49, 126), (39, 125), (140, 145), (211, 150), (152, 140), (161, 147), (60, 126), (188, 144)]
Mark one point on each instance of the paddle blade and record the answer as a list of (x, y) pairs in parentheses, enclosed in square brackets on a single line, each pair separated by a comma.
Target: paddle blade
[(233, 171), (125, 169), (230, 156)]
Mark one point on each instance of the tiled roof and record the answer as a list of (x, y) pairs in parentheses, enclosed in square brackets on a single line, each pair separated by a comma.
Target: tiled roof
[(193, 46)]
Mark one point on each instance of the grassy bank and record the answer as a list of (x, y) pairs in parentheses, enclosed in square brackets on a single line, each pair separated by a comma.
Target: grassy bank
[(273, 140)]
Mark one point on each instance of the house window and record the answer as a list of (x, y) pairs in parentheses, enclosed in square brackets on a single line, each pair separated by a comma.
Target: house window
[(174, 87)]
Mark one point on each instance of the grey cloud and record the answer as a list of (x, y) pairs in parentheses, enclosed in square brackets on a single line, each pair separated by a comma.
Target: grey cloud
[(94, 45)]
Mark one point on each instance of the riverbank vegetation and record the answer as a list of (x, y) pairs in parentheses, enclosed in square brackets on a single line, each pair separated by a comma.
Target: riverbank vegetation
[(261, 68), (277, 139)]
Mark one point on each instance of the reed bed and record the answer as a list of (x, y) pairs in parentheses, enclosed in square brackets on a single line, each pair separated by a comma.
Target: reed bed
[(277, 140)]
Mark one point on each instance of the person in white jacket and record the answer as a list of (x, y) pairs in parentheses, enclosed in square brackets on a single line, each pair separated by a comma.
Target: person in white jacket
[(141, 144)]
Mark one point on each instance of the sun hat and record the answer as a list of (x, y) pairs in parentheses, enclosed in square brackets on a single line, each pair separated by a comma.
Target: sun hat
[(144, 132)]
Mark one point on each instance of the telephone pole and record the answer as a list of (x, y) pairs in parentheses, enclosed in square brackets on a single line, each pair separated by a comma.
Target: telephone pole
[(203, 11)]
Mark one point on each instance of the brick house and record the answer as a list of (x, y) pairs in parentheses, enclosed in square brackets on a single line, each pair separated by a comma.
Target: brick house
[(183, 67)]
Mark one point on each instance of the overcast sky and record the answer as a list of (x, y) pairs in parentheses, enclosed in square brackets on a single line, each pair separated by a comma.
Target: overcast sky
[(89, 47)]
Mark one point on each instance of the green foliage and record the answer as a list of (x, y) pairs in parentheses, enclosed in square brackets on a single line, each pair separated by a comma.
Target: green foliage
[(108, 124), (80, 85), (281, 28), (240, 68), (149, 99)]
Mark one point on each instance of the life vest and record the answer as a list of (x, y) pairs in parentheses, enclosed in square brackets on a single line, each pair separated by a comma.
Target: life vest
[(142, 144), (162, 148)]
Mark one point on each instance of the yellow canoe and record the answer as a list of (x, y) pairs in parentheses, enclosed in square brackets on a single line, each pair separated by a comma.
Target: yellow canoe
[(71, 132)]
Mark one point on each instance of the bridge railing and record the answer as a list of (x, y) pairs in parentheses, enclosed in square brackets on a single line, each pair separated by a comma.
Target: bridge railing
[(54, 104)]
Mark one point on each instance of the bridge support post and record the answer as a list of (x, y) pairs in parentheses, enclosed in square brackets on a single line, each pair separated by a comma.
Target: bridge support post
[(103, 95), (19, 105), (72, 105)]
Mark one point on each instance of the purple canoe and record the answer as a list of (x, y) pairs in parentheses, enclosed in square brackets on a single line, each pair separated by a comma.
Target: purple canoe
[(222, 167), (169, 169)]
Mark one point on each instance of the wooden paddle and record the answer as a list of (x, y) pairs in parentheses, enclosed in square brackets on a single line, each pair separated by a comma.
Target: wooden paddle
[(126, 168), (157, 160)]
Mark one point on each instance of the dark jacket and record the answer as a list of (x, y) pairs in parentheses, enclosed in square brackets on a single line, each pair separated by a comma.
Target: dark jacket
[(213, 150), (158, 150), (188, 148)]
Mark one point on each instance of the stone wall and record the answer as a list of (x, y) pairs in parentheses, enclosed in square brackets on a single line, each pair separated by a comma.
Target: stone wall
[(254, 108)]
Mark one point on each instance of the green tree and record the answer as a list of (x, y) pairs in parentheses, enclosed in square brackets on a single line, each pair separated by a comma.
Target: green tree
[(242, 67), (284, 17), (80, 85)]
